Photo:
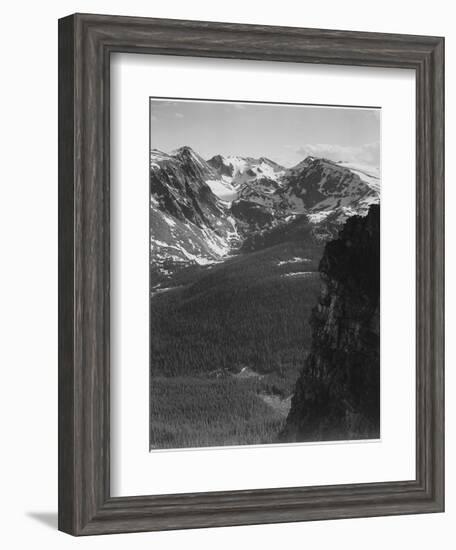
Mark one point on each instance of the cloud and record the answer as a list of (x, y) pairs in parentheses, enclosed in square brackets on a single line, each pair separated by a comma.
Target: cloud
[(179, 115), (368, 154)]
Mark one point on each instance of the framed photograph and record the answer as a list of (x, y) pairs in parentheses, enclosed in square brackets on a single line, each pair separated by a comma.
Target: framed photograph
[(251, 264)]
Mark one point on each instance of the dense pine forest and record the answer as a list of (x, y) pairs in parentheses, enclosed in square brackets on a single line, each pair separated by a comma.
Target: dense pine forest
[(227, 344)]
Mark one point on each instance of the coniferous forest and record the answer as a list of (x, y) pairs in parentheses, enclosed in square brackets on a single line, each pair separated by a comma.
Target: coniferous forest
[(227, 345)]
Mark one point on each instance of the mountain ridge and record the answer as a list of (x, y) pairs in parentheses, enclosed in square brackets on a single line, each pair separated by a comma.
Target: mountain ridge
[(204, 210)]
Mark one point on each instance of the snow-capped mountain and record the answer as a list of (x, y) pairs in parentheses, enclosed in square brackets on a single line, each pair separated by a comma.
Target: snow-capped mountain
[(321, 187), (318, 188), (234, 172), (201, 211), (189, 224)]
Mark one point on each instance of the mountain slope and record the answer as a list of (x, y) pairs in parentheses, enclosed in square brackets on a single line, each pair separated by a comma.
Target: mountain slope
[(189, 224), (251, 309), (368, 174)]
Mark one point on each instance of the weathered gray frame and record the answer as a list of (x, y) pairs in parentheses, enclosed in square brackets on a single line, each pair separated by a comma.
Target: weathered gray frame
[(85, 45)]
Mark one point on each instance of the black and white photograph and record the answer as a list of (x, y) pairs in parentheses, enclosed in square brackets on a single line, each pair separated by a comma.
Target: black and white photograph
[(264, 273)]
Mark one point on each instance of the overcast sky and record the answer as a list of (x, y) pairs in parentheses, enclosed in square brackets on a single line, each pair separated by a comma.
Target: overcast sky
[(283, 133)]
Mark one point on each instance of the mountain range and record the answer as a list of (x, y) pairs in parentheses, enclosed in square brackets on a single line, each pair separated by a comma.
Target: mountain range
[(203, 211)]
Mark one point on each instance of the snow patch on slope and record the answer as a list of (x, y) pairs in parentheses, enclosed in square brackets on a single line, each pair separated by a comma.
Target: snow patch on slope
[(222, 189), (369, 174)]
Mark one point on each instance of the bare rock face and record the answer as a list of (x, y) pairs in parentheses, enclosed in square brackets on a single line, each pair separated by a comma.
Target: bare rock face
[(337, 395)]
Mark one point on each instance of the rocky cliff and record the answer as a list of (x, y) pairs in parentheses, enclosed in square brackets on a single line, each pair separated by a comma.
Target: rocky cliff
[(337, 395)]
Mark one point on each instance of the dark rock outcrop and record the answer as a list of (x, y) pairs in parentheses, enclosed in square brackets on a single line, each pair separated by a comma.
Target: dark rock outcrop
[(337, 395)]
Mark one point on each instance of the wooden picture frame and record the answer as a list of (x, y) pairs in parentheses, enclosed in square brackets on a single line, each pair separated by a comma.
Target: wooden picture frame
[(85, 45)]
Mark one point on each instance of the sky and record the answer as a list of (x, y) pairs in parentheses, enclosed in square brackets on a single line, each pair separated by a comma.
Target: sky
[(283, 133)]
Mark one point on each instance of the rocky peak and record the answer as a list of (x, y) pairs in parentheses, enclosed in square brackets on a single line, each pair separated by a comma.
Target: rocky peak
[(221, 166), (184, 151), (305, 163), (178, 184)]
